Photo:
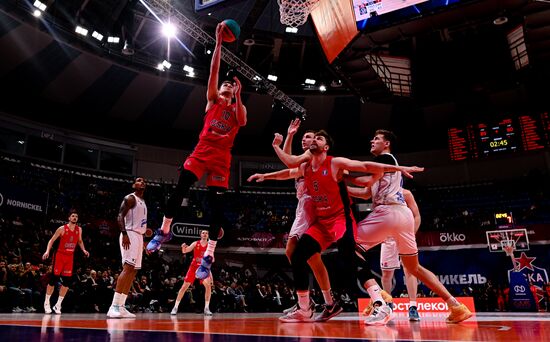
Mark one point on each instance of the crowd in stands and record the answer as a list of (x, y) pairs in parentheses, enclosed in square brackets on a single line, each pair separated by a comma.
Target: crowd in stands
[(23, 238)]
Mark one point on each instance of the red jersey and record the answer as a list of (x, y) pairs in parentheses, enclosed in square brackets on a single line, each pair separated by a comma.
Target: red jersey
[(198, 253), (69, 240), (329, 197), (220, 126)]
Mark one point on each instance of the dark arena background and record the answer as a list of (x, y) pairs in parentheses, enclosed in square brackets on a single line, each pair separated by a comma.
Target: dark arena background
[(93, 95)]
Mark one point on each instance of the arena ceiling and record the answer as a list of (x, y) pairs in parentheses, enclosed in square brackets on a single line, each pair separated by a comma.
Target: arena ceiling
[(461, 65)]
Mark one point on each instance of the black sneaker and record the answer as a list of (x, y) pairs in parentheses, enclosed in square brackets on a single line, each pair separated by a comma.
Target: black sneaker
[(329, 311)]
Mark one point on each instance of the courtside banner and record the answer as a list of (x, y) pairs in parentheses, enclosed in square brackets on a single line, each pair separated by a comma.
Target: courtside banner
[(437, 305)]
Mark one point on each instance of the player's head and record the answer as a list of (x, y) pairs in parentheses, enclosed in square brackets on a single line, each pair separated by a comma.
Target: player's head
[(204, 234), (139, 184), (383, 141), (227, 89), (73, 216), (307, 138), (322, 142)]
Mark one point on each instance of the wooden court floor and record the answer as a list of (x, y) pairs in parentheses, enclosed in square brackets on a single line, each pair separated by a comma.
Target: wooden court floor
[(525, 327)]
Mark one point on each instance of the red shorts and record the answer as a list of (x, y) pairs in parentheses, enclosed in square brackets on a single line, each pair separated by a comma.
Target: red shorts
[(214, 162), (327, 231), (63, 264), (190, 276)]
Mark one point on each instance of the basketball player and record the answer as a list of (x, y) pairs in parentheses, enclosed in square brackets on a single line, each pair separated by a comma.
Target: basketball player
[(70, 235), (132, 222), (392, 218), (305, 215), (389, 258), (198, 248), (324, 182), (211, 156)]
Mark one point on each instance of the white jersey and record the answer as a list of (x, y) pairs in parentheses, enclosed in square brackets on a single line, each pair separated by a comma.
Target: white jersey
[(301, 190), (136, 218), (389, 189)]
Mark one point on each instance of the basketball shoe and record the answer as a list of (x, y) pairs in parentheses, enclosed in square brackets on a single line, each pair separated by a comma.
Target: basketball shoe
[(160, 238), (203, 271), (458, 314)]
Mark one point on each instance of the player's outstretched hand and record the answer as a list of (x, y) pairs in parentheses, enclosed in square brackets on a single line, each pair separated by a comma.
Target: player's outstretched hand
[(238, 86), (293, 127), (219, 30), (183, 247), (45, 256), (258, 177), (408, 170), (277, 140)]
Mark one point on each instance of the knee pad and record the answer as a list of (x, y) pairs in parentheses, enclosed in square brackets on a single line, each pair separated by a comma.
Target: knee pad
[(54, 279)]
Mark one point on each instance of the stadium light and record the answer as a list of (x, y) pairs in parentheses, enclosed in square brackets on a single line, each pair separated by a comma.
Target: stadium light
[(113, 40), (272, 78), (166, 64), (37, 13), (81, 30), (290, 29), (40, 5), (322, 88), (169, 30), (97, 35), (310, 81)]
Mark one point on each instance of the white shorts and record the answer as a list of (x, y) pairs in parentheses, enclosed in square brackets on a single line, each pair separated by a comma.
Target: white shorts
[(389, 257), (133, 255), (385, 221), (305, 215)]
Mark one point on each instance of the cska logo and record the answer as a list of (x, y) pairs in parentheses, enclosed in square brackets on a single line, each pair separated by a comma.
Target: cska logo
[(536, 275)]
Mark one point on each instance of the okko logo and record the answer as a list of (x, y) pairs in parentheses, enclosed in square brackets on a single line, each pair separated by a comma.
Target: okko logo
[(451, 237), (519, 288)]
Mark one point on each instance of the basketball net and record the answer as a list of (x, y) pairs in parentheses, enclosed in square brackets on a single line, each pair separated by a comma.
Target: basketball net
[(295, 12)]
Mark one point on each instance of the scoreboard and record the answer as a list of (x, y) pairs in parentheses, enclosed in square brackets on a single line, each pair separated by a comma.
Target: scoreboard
[(522, 133)]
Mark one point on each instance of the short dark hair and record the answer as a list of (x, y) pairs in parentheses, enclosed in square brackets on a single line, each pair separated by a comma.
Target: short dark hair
[(310, 131), (388, 136), (73, 211), (328, 138)]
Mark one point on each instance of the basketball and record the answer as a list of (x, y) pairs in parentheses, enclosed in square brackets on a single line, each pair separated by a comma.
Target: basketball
[(231, 30)]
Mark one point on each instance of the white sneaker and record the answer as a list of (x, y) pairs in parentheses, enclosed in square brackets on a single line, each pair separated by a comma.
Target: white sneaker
[(174, 311), (298, 315), (47, 308), (292, 308), (57, 309), (124, 313), (114, 312), (380, 315), (207, 312)]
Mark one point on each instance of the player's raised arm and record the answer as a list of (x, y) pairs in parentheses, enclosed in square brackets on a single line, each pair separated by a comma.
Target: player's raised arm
[(288, 159), (291, 131), (239, 107), (212, 89)]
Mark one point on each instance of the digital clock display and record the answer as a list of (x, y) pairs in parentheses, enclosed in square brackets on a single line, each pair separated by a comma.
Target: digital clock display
[(522, 133)]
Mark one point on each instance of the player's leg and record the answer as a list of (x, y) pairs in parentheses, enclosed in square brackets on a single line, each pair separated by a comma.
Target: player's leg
[(217, 182), (291, 246), (412, 287), (191, 173), (389, 262), (187, 281), (131, 261), (372, 231), (306, 248), (406, 244), (207, 294), (459, 312)]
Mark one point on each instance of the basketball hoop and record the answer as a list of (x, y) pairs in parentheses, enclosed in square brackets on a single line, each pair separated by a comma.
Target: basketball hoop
[(295, 12)]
